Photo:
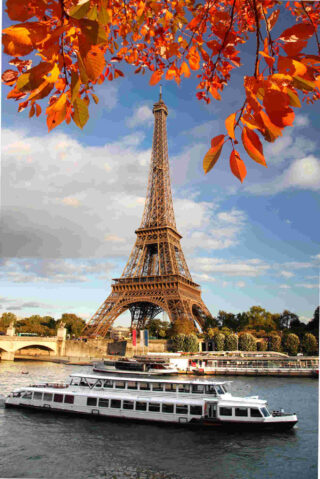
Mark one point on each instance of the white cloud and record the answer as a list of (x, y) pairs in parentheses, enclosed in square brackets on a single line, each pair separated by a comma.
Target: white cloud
[(303, 174), (307, 285), (284, 286), (108, 95), (228, 268), (286, 274), (240, 284), (142, 116), (301, 120)]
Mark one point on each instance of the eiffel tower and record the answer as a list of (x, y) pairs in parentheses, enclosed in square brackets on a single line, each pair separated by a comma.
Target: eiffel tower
[(156, 277)]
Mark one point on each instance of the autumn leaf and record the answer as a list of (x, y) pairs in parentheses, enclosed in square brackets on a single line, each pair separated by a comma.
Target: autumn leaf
[(270, 131), (56, 112), (213, 154), (301, 31), (79, 11), (184, 70), (17, 41), (237, 166), (230, 122), (272, 20), (155, 77), (253, 145), (214, 92), (94, 64), (80, 114), (194, 58)]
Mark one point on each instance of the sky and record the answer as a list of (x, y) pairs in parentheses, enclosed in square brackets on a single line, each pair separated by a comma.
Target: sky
[(71, 200)]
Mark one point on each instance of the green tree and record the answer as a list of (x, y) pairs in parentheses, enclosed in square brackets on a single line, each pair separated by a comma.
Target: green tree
[(231, 342), (291, 344), (313, 325), (157, 328), (227, 320), (181, 326), (262, 345), (190, 343), (309, 344), (247, 342), (177, 342), (242, 321), (286, 319), (73, 323), (274, 342), (209, 323), (259, 319), (6, 319), (219, 339)]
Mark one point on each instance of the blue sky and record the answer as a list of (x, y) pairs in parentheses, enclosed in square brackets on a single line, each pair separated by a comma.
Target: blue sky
[(72, 199)]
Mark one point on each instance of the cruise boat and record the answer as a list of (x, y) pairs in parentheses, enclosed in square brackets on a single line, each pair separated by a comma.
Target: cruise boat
[(189, 402), (133, 367)]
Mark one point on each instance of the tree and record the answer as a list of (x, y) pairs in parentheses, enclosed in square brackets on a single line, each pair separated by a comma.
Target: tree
[(286, 319), (313, 325), (309, 344), (259, 319), (81, 44), (73, 323), (227, 320), (291, 344), (262, 345), (274, 342), (242, 321), (219, 339), (247, 342), (157, 328), (181, 326), (209, 323), (231, 342), (177, 342), (6, 320), (190, 343)]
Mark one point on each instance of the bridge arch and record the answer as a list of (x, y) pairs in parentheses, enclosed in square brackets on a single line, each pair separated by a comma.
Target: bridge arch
[(36, 346)]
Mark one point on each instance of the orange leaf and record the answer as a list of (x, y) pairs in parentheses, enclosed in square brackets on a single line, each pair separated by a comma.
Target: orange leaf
[(237, 166), (184, 70), (194, 58), (213, 154), (18, 10), (292, 49), (56, 112), (270, 131), (17, 41), (32, 111), (301, 31), (214, 92), (94, 63), (155, 77), (292, 67), (253, 145), (230, 122), (38, 110), (293, 98), (303, 84)]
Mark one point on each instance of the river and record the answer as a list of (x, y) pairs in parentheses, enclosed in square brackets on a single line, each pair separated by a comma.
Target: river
[(44, 445)]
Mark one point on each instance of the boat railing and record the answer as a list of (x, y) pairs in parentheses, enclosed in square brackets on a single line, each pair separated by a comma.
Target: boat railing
[(280, 413)]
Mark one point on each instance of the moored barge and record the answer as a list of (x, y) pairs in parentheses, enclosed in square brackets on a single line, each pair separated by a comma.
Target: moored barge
[(189, 402)]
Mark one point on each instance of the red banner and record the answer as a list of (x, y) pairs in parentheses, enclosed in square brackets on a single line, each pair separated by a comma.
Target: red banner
[(134, 337)]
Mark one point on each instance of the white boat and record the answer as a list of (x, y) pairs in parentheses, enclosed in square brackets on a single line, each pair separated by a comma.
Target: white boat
[(190, 402), (134, 367)]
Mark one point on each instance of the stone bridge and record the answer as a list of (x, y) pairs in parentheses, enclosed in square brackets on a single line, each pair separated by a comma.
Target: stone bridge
[(10, 344)]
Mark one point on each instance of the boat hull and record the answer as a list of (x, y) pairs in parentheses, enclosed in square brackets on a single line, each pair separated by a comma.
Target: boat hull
[(194, 423)]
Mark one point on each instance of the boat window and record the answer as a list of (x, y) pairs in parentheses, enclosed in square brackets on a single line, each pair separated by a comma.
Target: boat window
[(91, 401), (197, 388), (120, 384), (168, 387), (83, 383), (103, 402), (37, 395), (157, 387), (141, 406), (254, 412), (144, 386), (58, 398), (211, 390), (241, 411), (127, 405), (98, 384), (181, 409), (224, 389), (27, 395), (108, 383), (265, 412), (168, 408), (69, 399), (183, 388), (16, 395), (154, 407), (219, 390), (132, 385), (47, 397), (116, 403), (225, 411), (196, 410)]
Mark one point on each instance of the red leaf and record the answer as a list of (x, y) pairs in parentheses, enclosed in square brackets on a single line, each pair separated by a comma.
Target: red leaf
[(301, 31), (213, 154), (230, 121), (237, 166), (155, 77)]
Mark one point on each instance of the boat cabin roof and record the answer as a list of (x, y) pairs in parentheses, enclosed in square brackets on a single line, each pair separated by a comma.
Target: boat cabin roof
[(149, 380)]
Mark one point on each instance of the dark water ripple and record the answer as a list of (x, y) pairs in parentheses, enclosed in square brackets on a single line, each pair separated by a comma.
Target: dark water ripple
[(40, 445)]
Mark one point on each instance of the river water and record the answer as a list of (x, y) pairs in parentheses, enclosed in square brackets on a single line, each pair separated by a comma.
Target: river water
[(44, 445)]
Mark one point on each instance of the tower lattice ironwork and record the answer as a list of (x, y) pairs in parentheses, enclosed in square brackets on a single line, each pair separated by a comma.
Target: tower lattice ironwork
[(156, 277)]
